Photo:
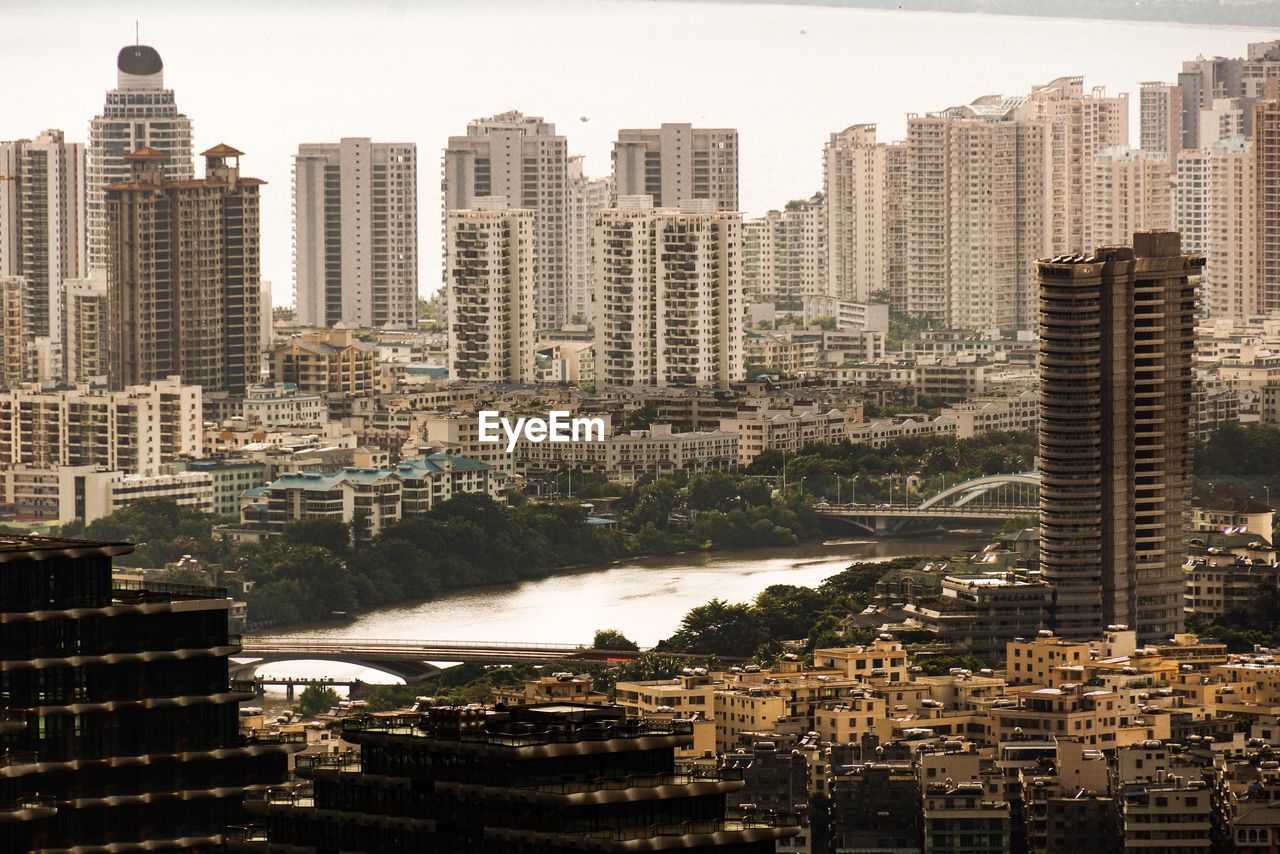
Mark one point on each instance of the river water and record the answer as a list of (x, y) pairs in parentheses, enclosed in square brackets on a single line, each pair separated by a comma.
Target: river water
[(644, 599)]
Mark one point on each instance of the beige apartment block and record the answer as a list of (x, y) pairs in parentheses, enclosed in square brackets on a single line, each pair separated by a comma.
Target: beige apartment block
[(1223, 119), (1266, 149), (1068, 711), (355, 233), (1191, 198), (1116, 347), (1036, 661), (1128, 191), (866, 228), (326, 361), (785, 253), (135, 430), (1082, 124), (183, 274), (670, 308), (523, 160), (491, 271), (979, 180), (42, 228), (86, 339), (1160, 119), (139, 113), (677, 162), (15, 348), (1230, 283), (761, 430), (586, 196)]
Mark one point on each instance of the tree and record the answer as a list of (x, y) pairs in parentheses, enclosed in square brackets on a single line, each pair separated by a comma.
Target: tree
[(714, 490), (329, 534), (718, 628), (612, 639), (316, 700)]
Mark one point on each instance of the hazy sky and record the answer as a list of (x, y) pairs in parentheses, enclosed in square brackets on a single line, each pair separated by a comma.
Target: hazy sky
[(267, 76)]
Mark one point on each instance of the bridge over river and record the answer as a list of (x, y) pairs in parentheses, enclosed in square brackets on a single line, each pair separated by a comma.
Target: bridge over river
[(411, 660), (993, 498)]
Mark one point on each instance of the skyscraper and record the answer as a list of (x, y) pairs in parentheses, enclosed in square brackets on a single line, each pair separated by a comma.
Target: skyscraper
[(1160, 119), (1230, 287), (183, 274), (85, 332), (1266, 151), (979, 185), (586, 196), (121, 727), (1116, 348), (355, 233), (670, 309), (677, 162), (1128, 191), (42, 225), (862, 203), (139, 113), (522, 159), (490, 267)]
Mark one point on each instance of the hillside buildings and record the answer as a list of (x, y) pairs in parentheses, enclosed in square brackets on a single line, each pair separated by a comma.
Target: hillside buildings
[(355, 233), (1115, 458), (183, 274)]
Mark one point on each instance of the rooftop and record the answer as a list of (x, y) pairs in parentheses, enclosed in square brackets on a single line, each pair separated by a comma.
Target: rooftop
[(24, 548)]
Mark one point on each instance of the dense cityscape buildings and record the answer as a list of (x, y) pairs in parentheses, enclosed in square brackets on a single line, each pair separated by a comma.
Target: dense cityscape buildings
[(1006, 334), (355, 244)]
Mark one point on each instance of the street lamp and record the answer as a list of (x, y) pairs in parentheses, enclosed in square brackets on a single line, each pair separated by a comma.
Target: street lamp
[(802, 480), (853, 497)]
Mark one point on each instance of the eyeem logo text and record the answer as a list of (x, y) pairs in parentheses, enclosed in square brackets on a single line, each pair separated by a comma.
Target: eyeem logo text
[(557, 427)]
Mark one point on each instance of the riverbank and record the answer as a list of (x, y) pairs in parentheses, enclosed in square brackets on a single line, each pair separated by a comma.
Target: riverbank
[(645, 599)]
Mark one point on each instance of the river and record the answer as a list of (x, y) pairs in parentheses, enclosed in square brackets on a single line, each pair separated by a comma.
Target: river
[(644, 599)]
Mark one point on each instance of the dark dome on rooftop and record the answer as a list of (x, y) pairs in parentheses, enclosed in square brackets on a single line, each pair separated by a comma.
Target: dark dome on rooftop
[(139, 59)]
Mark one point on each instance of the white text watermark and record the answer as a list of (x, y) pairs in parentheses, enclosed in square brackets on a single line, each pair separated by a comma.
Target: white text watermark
[(558, 426)]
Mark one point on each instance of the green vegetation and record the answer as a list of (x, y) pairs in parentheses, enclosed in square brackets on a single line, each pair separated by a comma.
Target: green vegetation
[(316, 699), (781, 612), (1243, 628), (161, 531), (614, 640)]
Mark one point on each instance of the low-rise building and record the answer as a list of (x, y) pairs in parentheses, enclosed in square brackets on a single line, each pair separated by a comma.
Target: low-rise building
[(378, 497)]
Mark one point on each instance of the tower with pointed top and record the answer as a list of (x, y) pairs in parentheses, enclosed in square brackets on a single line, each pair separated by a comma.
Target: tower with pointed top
[(139, 113)]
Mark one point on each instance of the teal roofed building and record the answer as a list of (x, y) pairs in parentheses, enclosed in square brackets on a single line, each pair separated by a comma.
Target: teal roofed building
[(377, 497)]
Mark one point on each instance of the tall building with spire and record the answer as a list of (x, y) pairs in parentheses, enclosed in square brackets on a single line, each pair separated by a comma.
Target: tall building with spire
[(139, 113), (1116, 396), (183, 276)]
